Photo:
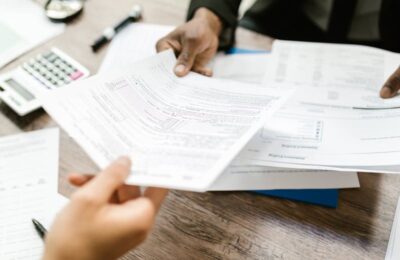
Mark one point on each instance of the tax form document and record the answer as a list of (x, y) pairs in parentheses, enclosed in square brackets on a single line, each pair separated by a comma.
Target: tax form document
[(28, 187), (181, 133), (318, 127), (126, 50), (23, 25), (341, 74)]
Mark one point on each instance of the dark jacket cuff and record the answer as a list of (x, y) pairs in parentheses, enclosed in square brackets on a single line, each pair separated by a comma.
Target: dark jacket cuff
[(227, 11)]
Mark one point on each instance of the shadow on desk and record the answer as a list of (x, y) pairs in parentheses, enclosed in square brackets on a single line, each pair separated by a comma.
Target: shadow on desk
[(24, 121)]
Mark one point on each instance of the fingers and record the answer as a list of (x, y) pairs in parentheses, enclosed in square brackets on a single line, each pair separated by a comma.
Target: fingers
[(127, 192), (392, 85), (186, 58), (156, 196), (78, 179), (108, 181), (167, 43), (139, 214)]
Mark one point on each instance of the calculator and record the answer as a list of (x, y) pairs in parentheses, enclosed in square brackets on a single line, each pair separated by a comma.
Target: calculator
[(46, 71)]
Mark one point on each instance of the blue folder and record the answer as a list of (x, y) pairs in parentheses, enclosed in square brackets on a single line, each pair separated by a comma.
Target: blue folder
[(327, 198)]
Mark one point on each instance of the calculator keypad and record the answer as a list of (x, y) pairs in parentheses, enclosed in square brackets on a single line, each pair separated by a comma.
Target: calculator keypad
[(52, 70)]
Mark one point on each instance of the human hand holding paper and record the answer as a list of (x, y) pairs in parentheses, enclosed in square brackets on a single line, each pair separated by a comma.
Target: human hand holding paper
[(105, 219), (195, 42)]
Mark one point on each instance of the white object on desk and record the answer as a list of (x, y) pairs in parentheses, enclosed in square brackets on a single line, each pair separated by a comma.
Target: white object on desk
[(126, 49), (23, 25), (47, 71), (28, 188), (393, 249), (318, 127), (180, 132)]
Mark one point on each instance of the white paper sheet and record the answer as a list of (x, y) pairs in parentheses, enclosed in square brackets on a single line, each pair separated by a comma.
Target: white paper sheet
[(393, 249), (138, 42), (180, 132), (318, 127), (329, 69), (28, 188), (244, 177), (23, 25), (241, 67)]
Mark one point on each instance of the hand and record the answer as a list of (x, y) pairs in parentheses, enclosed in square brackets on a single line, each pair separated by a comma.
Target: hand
[(105, 218), (195, 43), (392, 85)]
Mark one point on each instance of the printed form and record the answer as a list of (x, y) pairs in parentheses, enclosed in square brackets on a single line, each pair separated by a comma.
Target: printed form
[(181, 133), (28, 189), (323, 125), (125, 51)]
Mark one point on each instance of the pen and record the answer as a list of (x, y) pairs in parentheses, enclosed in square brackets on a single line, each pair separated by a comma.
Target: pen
[(39, 228), (134, 15)]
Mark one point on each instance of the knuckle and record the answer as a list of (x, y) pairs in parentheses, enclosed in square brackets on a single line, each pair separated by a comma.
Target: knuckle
[(84, 198), (161, 43), (184, 57), (191, 37)]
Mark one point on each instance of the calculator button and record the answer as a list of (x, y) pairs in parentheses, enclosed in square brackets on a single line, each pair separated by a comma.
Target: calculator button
[(60, 83), (76, 75)]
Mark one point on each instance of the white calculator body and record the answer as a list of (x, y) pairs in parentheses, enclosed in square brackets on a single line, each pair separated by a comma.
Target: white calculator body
[(45, 72)]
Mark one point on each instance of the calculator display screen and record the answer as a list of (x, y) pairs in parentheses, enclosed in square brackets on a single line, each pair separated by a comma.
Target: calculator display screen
[(20, 90)]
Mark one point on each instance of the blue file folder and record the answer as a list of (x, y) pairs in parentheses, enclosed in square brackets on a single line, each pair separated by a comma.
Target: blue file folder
[(327, 198)]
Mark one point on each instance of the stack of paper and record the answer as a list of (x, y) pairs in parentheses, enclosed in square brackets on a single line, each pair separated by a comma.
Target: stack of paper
[(28, 189), (125, 50), (180, 132), (180, 114), (332, 121)]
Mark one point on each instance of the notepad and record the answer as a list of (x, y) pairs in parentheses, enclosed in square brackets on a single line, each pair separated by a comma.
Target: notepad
[(28, 189)]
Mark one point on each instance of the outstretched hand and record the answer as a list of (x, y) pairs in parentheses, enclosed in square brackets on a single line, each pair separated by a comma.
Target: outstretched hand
[(195, 43), (105, 218)]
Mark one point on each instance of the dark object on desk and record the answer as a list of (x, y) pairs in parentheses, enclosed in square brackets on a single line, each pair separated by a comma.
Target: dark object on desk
[(134, 15), (63, 10), (39, 228)]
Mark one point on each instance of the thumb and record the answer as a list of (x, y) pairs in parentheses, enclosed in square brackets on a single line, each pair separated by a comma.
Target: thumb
[(392, 85), (106, 183), (185, 59)]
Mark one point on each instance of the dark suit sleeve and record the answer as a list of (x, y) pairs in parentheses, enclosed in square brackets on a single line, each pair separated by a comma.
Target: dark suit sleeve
[(389, 25), (227, 10)]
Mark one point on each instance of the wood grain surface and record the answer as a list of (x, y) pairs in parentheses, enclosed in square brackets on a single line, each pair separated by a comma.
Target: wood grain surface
[(224, 225)]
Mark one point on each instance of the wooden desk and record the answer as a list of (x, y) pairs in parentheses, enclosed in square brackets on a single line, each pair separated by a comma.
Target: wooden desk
[(225, 225)]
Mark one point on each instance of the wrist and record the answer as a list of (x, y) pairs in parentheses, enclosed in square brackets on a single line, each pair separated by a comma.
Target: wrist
[(213, 21)]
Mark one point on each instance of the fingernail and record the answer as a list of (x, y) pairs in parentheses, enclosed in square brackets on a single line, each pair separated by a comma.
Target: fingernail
[(124, 160), (386, 92), (180, 69)]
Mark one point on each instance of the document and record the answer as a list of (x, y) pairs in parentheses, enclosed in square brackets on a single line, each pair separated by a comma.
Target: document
[(240, 176), (248, 67), (319, 126), (28, 188), (329, 69), (181, 133), (125, 50), (393, 249), (137, 42), (23, 25)]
